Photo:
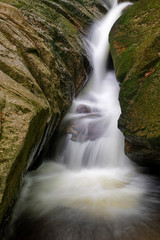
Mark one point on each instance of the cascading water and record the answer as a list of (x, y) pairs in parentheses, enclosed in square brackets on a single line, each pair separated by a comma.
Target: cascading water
[(96, 110), (91, 190)]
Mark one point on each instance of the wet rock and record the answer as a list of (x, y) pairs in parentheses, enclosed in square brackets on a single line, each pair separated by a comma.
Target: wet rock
[(126, 8), (88, 109), (83, 109), (24, 108), (142, 155), (135, 41), (120, 1), (86, 128)]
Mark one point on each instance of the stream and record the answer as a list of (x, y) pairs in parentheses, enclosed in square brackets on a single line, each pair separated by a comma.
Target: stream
[(90, 190)]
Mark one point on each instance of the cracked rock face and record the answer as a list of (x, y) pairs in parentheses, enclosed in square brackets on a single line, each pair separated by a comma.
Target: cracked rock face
[(26, 87), (135, 48)]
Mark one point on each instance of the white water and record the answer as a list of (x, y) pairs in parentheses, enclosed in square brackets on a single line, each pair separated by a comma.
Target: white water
[(90, 174), (101, 97)]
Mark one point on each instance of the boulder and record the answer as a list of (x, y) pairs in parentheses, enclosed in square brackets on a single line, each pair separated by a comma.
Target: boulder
[(135, 48)]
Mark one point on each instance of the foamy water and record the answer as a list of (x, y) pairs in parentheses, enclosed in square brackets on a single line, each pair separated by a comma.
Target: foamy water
[(106, 193)]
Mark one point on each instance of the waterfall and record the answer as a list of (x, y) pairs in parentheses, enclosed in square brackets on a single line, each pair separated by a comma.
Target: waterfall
[(90, 184), (94, 139)]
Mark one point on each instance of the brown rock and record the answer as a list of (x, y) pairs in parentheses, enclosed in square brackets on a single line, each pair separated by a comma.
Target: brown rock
[(24, 107)]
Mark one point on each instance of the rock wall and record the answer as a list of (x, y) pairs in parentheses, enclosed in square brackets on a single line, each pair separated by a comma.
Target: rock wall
[(135, 48), (42, 67)]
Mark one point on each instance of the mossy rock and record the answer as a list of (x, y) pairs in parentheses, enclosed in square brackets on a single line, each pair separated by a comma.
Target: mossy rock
[(135, 48), (62, 24), (120, 1)]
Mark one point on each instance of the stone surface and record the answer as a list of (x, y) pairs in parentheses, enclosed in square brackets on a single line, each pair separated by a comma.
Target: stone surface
[(83, 127), (90, 130), (61, 24), (42, 67), (83, 109), (24, 107), (133, 1), (135, 48)]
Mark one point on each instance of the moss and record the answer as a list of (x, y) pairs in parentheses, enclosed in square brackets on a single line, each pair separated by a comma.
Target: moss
[(142, 114), (135, 41), (139, 36), (128, 91), (120, 1)]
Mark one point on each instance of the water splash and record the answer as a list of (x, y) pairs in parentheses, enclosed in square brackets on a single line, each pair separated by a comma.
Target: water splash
[(108, 193)]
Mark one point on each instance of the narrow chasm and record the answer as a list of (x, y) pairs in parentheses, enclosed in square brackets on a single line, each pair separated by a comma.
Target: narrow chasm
[(86, 187)]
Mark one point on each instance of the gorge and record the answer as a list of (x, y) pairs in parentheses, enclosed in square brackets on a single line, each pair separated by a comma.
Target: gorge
[(90, 190)]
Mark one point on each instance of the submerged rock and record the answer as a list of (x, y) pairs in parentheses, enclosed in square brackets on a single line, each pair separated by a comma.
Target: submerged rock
[(135, 41), (82, 131), (42, 66), (83, 125), (83, 109)]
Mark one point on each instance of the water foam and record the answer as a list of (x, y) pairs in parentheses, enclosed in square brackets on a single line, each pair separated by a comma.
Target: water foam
[(108, 193)]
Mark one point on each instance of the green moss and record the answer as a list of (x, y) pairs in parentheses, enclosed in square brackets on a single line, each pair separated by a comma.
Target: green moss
[(140, 36), (135, 41), (128, 91)]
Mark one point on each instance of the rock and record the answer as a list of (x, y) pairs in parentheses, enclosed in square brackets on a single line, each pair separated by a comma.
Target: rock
[(61, 24), (83, 130), (42, 66), (126, 8), (25, 108), (120, 1), (83, 109), (84, 127), (135, 41)]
